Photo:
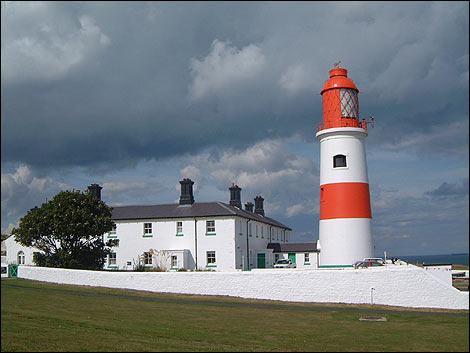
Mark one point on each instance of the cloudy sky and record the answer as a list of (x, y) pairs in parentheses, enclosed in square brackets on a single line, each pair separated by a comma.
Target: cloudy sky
[(135, 96)]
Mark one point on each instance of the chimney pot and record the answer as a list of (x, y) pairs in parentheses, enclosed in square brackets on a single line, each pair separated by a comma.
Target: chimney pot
[(259, 205), (235, 198), (95, 190), (186, 197)]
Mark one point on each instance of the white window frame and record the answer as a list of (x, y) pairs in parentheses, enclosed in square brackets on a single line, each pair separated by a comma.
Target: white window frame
[(179, 227), (114, 230), (112, 259), (174, 261), (211, 258), (210, 227), (21, 257), (148, 231), (147, 259), (307, 258)]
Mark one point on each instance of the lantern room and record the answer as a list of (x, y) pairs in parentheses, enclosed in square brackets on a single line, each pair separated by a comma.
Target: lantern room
[(340, 101)]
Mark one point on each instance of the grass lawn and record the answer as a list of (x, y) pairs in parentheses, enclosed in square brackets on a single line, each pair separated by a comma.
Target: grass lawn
[(39, 316)]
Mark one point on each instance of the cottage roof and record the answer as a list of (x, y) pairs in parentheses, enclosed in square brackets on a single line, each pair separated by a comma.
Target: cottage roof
[(197, 209), (293, 247)]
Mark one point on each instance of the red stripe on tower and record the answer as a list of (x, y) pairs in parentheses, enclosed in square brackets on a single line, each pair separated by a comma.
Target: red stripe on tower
[(345, 200)]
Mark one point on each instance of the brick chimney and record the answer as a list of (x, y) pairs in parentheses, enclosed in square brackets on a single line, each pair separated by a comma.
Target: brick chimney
[(95, 190), (186, 197), (235, 198), (259, 205), (249, 207)]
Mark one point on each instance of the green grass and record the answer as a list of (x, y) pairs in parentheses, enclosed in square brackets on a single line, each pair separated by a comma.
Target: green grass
[(40, 320)]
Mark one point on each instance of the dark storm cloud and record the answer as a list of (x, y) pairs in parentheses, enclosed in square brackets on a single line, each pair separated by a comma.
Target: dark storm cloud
[(104, 85)]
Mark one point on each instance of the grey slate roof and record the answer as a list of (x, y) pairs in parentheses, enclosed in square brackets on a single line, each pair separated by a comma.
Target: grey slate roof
[(197, 209), (293, 247)]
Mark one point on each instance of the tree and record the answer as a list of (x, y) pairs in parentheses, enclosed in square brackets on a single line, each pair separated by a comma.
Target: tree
[(68, 230)]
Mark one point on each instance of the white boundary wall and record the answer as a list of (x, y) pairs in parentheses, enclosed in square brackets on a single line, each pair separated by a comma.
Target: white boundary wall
[(407, 286)]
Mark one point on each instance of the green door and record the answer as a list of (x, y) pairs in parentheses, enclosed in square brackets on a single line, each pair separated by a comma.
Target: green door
[(13, 271), (292, 257), (261, 260)]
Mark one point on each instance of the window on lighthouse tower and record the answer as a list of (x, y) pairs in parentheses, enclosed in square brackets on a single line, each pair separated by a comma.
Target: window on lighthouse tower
[(339, 161)]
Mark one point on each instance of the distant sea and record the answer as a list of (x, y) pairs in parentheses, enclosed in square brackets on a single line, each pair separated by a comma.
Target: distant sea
[(456, 259)]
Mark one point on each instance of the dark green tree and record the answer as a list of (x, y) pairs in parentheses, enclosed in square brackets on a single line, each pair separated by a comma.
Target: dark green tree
[(68, 231)]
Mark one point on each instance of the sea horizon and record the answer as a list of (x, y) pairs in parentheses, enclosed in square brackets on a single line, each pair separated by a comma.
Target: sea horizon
[(455, 258)]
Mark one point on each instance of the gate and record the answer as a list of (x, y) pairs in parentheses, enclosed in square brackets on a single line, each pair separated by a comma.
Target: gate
[(12, 271)]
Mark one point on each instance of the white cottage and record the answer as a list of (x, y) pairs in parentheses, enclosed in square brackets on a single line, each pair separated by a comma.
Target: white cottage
[(195, 235)]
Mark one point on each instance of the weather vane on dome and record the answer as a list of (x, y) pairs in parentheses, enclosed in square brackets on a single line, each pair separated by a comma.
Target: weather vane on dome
[(336, 64)]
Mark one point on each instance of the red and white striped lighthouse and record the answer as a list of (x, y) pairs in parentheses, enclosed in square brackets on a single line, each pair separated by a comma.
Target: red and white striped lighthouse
[(345, 213)]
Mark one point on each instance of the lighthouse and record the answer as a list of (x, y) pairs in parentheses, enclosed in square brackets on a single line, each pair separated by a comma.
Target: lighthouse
[(345, 214)]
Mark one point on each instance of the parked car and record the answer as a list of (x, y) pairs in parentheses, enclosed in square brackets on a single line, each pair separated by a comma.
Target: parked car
[(377, 259), (364, 264), (284, 263)]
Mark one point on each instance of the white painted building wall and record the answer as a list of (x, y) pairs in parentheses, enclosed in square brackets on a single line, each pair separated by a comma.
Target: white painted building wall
[(13, 250), (406, 286), (300, 259), (257, 236), (228, 242)]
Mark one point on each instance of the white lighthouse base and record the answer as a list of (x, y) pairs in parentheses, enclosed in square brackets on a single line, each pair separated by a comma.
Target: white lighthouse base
[(345, 241)]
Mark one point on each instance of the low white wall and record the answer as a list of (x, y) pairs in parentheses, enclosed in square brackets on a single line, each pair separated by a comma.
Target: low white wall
[(407, 286)]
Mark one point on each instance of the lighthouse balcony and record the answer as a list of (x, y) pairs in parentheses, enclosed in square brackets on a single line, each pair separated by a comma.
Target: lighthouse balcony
[(345, 122)]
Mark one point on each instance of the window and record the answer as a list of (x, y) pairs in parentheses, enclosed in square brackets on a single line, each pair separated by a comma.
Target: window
[(147, 259), (112, 259), (179, 228), (339, 161), (147, 229), (249, 229), (210, 227), (349, 103), (257, 231), (112, 232), (262, 232), (210, 258), (307, 258), (20, 258), (174, 261)]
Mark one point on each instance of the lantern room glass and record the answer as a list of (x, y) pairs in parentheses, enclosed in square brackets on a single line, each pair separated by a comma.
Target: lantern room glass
[(349, 103)]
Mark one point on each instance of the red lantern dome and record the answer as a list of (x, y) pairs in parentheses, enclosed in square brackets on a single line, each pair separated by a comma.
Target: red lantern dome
[(340, 101)]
